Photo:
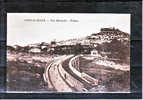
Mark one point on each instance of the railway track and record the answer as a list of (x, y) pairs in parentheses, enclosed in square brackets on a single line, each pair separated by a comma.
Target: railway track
[(47, 77), (56, 78)]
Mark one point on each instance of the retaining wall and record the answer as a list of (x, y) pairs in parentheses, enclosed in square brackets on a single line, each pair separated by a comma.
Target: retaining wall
[(74, 66), (71, 80)]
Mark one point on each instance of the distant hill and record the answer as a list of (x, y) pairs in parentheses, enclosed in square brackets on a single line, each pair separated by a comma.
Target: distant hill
[(105, 35), (108, 35), (107, 40), (112, 43)]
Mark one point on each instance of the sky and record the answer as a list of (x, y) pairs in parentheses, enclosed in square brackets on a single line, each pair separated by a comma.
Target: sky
[(29, 28)]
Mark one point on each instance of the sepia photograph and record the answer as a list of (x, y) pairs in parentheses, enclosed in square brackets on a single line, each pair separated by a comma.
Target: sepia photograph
[(68, 52)]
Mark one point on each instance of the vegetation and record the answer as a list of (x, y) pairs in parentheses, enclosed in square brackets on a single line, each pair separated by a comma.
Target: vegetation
[(117, 50)]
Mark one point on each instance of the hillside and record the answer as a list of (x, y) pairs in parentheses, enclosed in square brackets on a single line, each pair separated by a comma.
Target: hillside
[(107, 37)]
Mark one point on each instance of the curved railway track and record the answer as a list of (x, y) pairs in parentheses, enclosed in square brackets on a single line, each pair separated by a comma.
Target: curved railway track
[(57, 81)]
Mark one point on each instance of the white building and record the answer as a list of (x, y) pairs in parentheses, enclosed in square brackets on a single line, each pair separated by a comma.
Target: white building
[(35, 50), (95, 53)]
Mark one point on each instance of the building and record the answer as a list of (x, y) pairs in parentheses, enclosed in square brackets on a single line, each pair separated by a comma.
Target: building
[(35, 50), (95, 53)]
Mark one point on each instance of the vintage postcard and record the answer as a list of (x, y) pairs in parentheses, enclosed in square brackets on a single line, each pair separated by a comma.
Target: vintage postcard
[(68, 52)]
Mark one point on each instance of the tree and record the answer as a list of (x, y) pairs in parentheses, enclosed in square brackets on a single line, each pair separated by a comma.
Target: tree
[(78, 48)]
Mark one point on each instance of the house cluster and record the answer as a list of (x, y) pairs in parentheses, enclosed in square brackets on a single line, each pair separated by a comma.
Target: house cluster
[(108, 34)]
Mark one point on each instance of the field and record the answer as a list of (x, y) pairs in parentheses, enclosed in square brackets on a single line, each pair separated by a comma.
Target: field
[(25, 72), (113, 77)]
